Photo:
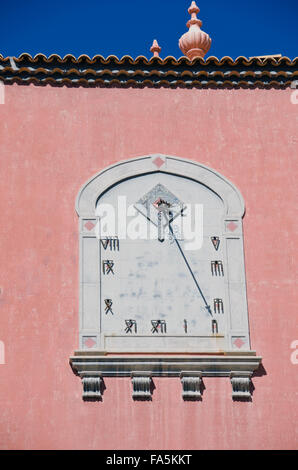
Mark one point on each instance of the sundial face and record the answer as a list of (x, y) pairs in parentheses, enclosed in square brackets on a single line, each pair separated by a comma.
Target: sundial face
[(162, 277), (162, 284)]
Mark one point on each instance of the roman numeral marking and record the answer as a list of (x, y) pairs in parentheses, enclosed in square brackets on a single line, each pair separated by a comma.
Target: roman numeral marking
[(215, 242), (218, 306), (107, 266), (214, 327), (112, 242), (130, 324), (108, 307), (158, 326), (217, 268)]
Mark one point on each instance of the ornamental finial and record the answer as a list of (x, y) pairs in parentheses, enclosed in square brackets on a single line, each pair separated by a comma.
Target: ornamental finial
[(193, 11), (155, 48), (194, 43)]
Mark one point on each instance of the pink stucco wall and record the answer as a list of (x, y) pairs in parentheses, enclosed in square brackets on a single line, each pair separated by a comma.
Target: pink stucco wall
[(51, 141)]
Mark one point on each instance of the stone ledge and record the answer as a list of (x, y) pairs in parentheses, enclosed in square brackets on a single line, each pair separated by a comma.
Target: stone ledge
[(161, 365), (189, 368)]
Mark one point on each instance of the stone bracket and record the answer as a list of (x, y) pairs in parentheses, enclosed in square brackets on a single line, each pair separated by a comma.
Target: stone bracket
[(142, 385), (241, 385), (92, 386), (93, 366), (191, 385)]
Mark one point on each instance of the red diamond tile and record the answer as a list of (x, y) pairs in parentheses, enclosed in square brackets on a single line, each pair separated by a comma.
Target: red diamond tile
[(239, 342), (158, 162), (89, 343), (89, 225), (231, 226)]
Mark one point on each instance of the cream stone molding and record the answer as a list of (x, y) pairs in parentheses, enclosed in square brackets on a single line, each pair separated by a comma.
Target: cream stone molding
[(212, 365), (102, 181), (143, 355), (189, 368)]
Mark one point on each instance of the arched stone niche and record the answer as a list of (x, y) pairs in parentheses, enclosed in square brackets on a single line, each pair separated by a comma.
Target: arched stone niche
[(109, 351)]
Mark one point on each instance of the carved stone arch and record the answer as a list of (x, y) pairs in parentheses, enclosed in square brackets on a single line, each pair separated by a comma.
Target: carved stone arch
[(98, 184), (99, 355)]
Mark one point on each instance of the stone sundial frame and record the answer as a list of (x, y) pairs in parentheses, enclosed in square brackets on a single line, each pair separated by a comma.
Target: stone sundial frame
[(92, 361)]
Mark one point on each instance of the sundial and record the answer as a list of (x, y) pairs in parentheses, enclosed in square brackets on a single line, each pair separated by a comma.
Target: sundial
[(163, 287)]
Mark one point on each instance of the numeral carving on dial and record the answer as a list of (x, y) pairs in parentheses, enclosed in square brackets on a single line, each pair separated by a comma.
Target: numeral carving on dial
[(158, 326), (112, 242), (217, 268), (107, 266), (215, 242), (108, 307), (185, 326), (218, 306), (130, 325), (214, 327)]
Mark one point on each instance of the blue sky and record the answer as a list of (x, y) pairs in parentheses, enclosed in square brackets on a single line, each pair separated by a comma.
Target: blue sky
[(127, 27)]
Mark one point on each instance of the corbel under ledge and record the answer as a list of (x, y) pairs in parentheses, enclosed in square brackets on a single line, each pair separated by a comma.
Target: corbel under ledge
[(92, 366)]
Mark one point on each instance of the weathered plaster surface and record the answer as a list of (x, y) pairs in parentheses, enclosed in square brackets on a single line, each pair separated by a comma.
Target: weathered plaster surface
[(51, 141)]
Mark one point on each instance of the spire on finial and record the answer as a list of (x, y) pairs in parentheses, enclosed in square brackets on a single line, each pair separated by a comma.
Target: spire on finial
[(193, 11), (194, 43), (155, 48)]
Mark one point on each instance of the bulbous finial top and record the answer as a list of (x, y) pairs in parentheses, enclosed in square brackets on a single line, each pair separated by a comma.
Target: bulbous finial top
[(194, 43), (155, 48)]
